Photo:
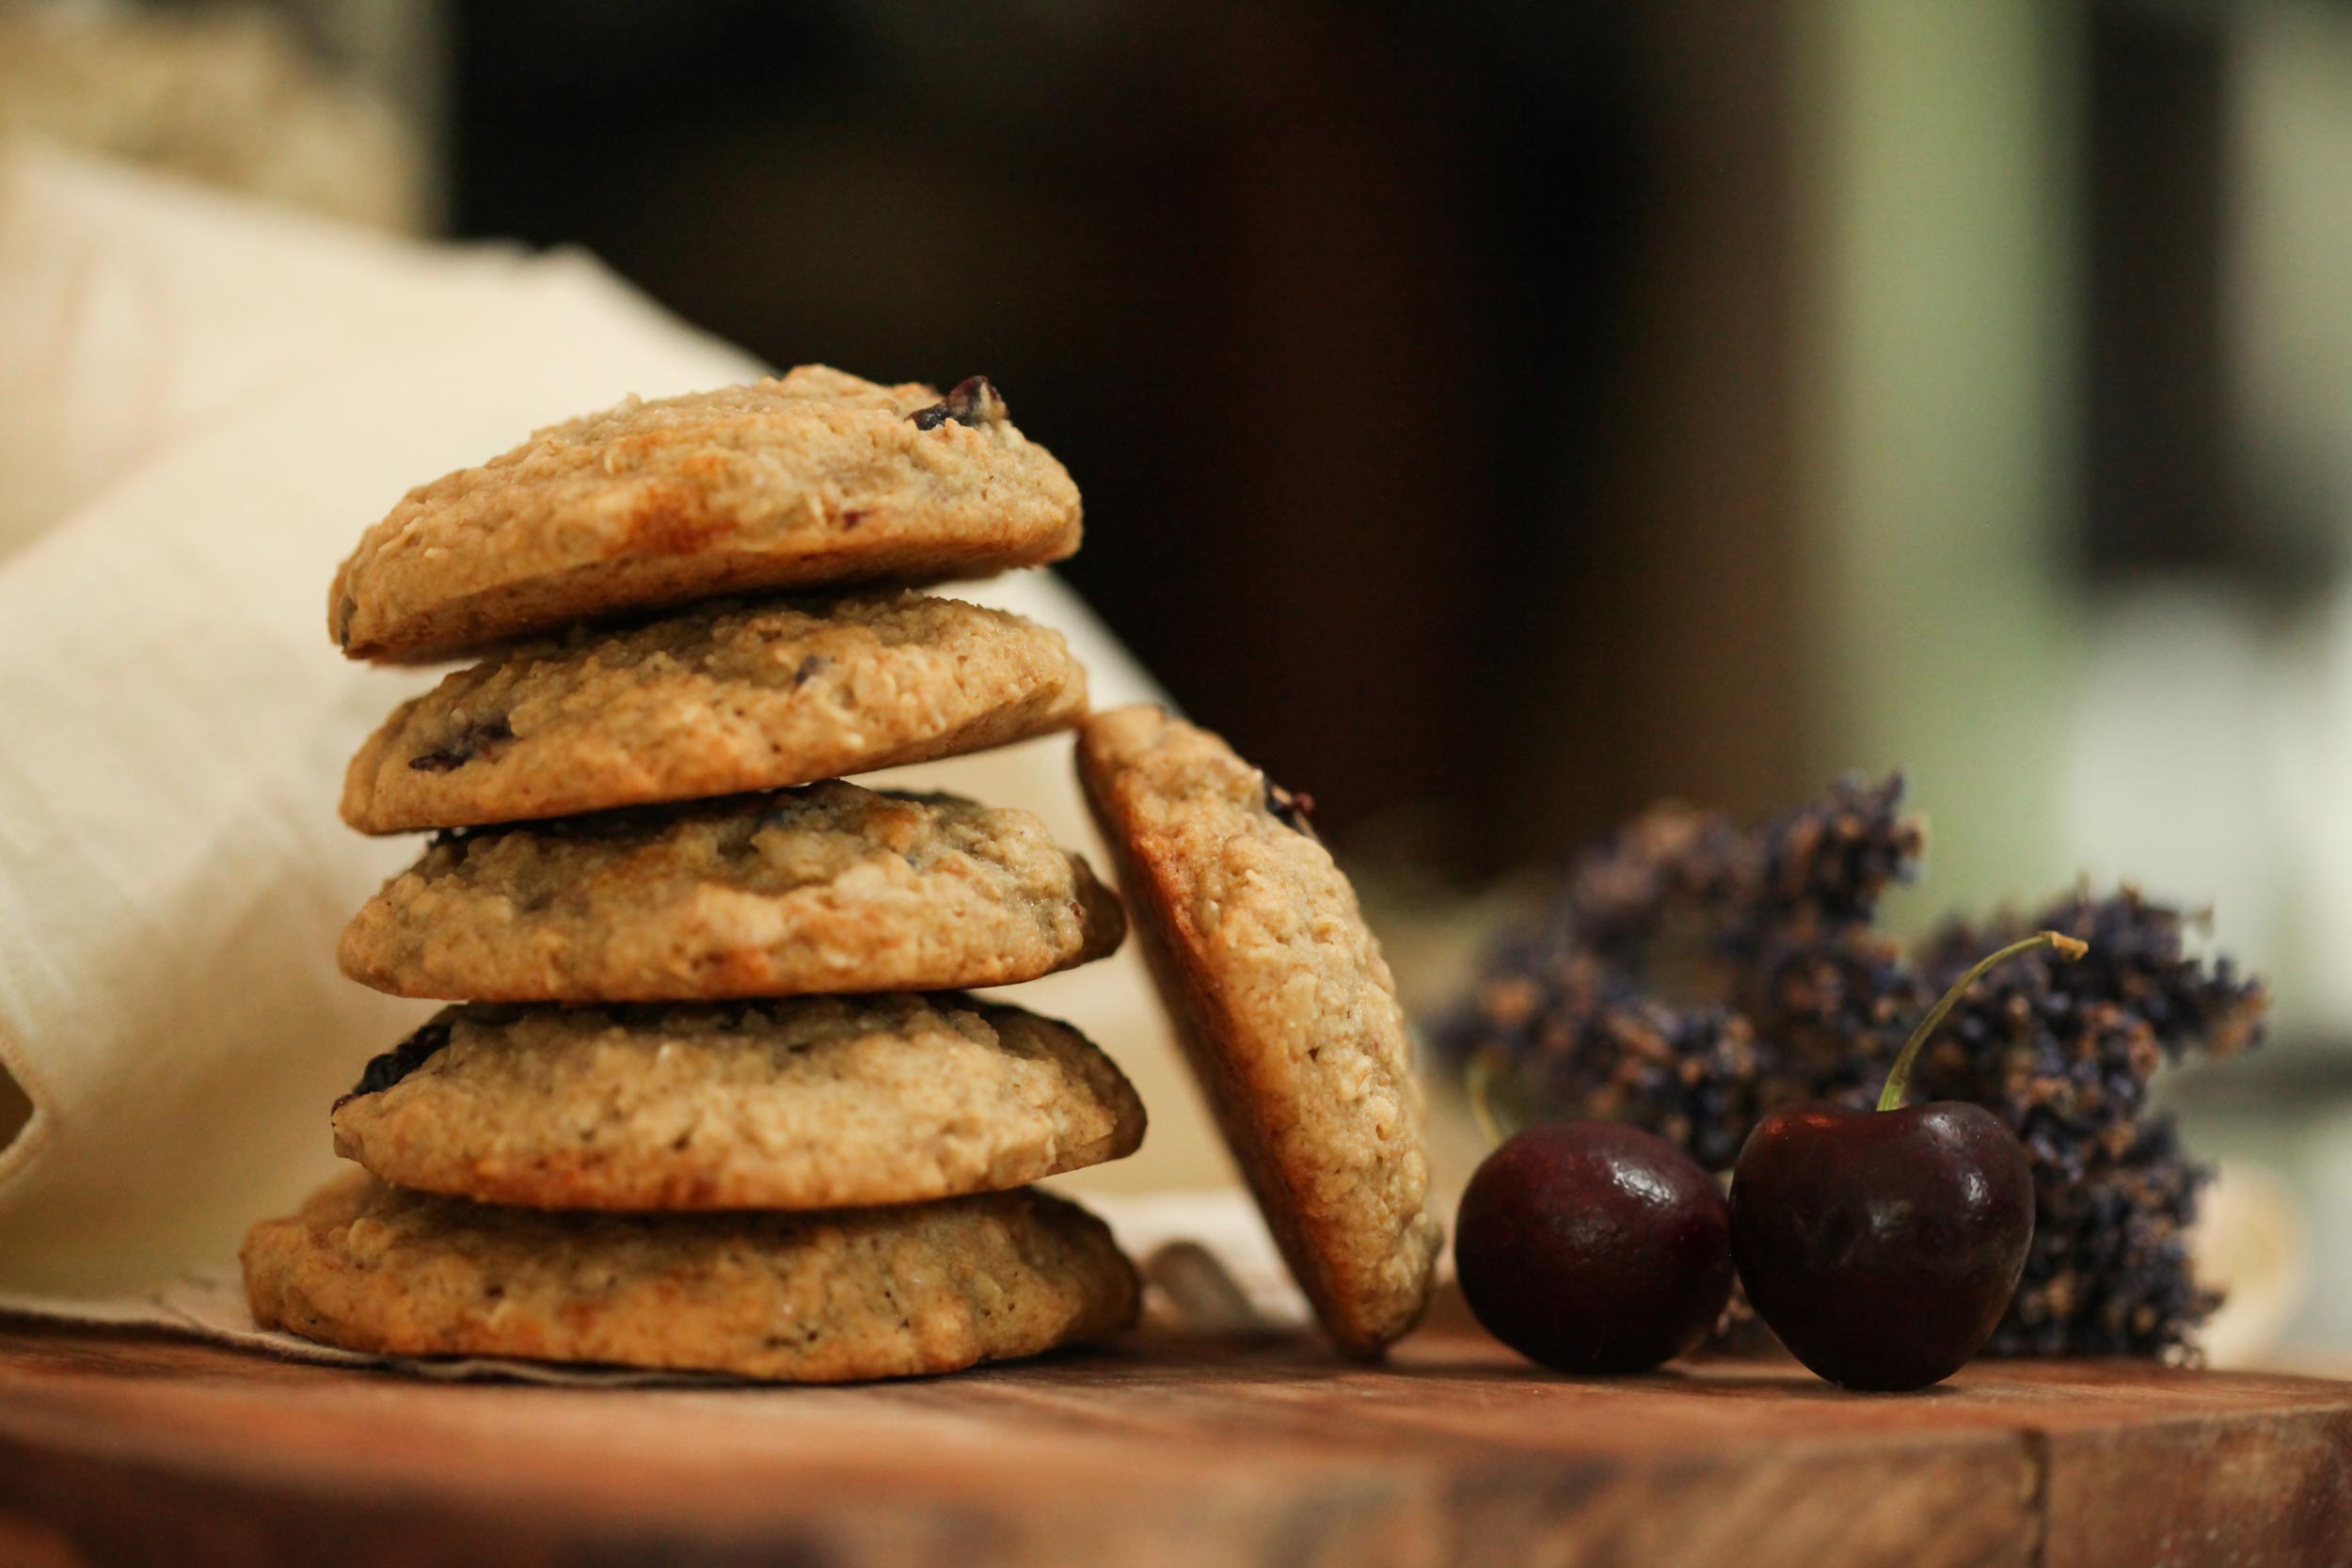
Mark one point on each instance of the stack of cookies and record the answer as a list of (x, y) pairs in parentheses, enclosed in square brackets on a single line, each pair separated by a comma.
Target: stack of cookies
[(713, 1096)]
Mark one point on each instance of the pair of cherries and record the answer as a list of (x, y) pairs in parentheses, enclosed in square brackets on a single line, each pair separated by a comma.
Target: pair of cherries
[(1881, 1246)]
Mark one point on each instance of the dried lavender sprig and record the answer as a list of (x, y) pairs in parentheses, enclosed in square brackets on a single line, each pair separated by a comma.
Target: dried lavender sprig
[(2108, 1272), (1694, 874), (2140, 963), (2067, 1055), (1686, 905)]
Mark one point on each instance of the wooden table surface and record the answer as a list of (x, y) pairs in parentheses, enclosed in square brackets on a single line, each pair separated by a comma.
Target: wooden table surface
[(131, 1447)]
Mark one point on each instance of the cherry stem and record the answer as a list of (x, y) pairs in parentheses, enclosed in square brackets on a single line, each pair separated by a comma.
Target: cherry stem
[(1898, 1076)]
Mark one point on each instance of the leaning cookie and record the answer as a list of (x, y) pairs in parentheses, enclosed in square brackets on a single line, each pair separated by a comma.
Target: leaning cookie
[(827, 888), (815, 481), (1286, 1008), (814, 1102), (714, 700), (815, 1298)]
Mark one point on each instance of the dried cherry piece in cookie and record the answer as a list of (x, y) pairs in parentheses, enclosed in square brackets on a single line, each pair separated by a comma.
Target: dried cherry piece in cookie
[(973, 400), (468, 744), (1291, 808)]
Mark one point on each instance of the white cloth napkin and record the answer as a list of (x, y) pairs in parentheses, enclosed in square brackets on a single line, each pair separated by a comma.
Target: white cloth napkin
[(202, 405)]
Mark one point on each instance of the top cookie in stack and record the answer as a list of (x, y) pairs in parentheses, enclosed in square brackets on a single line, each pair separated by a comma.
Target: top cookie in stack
[(816, 481), (653, 895)]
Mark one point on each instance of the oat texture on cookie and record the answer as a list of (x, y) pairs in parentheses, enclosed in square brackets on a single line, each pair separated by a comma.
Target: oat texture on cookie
[(712, 1096), (1286, 1008), (807, 482)]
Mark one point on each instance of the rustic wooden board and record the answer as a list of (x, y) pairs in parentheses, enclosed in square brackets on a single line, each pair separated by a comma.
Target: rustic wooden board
[(123, 1447)]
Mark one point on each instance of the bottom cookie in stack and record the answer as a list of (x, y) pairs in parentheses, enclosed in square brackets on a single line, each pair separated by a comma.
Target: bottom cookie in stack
[(826, 1298), (816, 1188)]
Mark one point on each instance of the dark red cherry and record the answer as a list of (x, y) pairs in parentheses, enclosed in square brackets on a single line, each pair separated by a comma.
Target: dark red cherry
[(1594, 1247), (1883, 1246)]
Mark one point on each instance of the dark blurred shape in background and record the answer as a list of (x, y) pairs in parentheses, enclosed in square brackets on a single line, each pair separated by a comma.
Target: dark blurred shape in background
[(1496, 415), (1330, 309)]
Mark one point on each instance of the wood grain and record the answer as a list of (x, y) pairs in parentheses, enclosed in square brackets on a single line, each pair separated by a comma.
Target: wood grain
[(132, 1447)]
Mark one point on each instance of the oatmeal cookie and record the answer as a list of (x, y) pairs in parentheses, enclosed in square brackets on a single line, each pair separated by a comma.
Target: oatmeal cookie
[(802, 1298), (811, 1102), (715, 701), (1285, 1008), (815, 480), (827, 888)]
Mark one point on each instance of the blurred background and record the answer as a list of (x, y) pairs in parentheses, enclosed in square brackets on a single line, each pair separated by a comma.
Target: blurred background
[(1496, 415)]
